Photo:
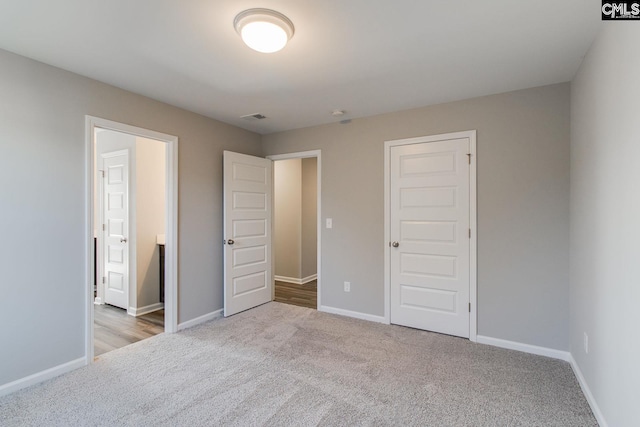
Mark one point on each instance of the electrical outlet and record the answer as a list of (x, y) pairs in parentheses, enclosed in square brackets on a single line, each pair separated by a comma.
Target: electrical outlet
[(586, 343), (329, 223), (347, 286)]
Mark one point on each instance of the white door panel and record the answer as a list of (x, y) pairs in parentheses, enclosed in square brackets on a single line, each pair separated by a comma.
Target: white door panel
[(115, 245), (247, 230), (429, 214)]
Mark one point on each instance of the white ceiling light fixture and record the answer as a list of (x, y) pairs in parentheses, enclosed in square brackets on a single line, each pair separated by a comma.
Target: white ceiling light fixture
[(264, 30)]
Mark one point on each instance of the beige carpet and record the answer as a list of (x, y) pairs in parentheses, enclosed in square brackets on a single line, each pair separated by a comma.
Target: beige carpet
[(281, 365)]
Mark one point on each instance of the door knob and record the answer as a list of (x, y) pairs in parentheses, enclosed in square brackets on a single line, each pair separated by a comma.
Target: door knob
[(395, 244), (230, 242), (123, 240)]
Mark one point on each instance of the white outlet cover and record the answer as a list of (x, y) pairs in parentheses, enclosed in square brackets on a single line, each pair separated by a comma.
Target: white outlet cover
[(329, 223), (347, 286)]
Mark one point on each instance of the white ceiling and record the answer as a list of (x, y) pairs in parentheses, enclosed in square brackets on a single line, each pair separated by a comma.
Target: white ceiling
[(364, 56)]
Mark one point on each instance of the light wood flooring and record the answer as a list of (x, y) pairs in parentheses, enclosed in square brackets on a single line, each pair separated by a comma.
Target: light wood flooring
[(303, 295), (114, 328)]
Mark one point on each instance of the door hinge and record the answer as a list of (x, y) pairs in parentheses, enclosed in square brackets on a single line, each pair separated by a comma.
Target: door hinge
[(469, 155), (103, 227), (103, 279), (469, 307), (469, 233), (102, 172)]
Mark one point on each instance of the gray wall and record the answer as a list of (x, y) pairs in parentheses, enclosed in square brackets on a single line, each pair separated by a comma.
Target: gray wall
[(309, 246), (287, 217), (605, 212), (150, 218), (523, 206), (295, 215), (42, 168)]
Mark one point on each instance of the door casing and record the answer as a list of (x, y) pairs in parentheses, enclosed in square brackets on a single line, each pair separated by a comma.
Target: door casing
[(171, 215), (473, 222)]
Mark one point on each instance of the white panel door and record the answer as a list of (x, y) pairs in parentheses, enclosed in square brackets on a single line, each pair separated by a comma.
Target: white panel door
[(115, 245), (429, 230), (248, 195)]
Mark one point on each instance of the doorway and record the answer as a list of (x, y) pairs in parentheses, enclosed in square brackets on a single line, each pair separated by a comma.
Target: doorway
[(133, 228), (295, 231), (296, 228), (430, 229), (248, 229)]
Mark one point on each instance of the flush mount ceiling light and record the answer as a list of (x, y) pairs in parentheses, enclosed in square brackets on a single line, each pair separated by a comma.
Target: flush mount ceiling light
[(264, 30)]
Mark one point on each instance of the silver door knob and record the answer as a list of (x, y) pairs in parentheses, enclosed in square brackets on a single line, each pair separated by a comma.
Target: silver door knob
[(123, 240), (395, 244), (230, 242)]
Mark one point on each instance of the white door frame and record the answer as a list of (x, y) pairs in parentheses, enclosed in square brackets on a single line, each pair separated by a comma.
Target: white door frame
[(305, 155), (171, 228), (473, 222)]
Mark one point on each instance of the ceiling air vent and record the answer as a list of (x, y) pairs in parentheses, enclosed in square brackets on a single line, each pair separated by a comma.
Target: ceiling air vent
[(256, 116)]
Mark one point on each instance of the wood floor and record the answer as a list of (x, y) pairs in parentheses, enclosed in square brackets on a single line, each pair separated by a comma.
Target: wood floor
[(303, 295), (114, 328)]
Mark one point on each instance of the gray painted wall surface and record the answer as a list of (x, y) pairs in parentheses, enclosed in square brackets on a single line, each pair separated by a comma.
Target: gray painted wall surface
[(42, 132), (309, 246), (150, 217), (605, 207), (295, 212), (287, 217), (523, 206)]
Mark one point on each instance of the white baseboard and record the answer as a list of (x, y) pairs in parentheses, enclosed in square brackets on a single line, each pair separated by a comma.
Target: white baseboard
[(204, 318), (587, 393), (295, 280), (527, 348), (354, 314), (146, 309), (42, 376)]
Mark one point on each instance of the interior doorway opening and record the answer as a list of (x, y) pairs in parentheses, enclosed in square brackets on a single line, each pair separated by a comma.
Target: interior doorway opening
[(296, 232), (133, 229), (130, 179)]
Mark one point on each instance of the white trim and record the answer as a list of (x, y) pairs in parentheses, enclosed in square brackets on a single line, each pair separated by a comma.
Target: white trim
[(133, 311), (354, 314), (171, 229), (473, 222), (201, 319), (41, 376), (597, 413), (526, 348), (98, 301), (473, 244), (295, 280), (298, 155), (308, 279), (304, 155)]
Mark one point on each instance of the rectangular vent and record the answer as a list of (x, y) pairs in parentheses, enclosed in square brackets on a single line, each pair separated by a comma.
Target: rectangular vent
[(256, 116)]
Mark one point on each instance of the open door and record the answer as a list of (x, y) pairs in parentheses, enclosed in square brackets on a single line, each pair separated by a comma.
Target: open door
[(115, 230), (248, 195)]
